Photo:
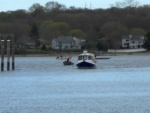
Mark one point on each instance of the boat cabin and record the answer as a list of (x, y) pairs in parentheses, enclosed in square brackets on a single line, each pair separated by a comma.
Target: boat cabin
[(85, 57)]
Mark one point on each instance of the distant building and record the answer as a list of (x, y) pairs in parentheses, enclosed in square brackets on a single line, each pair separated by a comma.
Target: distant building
[(66, 42), (133, 41), (25, 42)]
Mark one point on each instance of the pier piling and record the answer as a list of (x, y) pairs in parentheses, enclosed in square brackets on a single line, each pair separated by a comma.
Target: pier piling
[(7, 44), (2, 55), (8, 55), (13, 54)]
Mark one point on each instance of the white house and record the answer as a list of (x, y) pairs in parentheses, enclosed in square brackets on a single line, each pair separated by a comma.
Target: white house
[(133, 41), (66, 42)]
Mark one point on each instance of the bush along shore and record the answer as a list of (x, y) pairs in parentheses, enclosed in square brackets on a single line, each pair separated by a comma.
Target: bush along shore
[(26, 52)]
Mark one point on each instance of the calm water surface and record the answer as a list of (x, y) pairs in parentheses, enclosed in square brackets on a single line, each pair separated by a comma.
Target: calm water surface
[(44, 85)]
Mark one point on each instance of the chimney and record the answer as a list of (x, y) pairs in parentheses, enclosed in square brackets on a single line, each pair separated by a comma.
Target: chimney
[(130, 36)]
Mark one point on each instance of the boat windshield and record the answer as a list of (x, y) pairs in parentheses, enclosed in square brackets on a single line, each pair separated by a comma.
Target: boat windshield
[(85, 57)]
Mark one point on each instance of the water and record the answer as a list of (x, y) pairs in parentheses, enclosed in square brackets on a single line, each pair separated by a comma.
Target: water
[(44, 85)]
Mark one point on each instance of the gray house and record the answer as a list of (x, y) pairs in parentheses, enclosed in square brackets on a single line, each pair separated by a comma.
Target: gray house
[(133, 41), (66, 42)]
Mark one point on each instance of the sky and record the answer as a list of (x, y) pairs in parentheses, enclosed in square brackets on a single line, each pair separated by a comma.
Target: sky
[(12, 5)]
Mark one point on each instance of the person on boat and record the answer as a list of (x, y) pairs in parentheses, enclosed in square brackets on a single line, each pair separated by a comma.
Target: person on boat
[(57, 57), (61, 57), (68, 59)]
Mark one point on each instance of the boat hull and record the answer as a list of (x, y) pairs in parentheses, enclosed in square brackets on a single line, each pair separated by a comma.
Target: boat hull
[(68, 63), (85, 65)]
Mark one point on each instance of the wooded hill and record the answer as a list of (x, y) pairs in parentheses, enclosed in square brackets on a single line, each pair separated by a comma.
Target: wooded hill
[(92, 25)]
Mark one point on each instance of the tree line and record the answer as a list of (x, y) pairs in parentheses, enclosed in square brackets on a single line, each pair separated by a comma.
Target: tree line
[(98, 27)]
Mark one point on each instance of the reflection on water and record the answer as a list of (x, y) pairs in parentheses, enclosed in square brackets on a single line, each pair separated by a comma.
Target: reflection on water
[(45, 85)]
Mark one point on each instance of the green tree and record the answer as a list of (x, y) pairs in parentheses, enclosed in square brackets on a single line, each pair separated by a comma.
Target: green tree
[(61, 28), (19, 14), (114, 32), (45, 31), (87, 45), (82, 21), (77, 33), (35, 7), (99, 46), (6, 16), (102, 46), (34, 34), (138, 31), (21, 32), (50, 30), (18, 29), (6, 27)]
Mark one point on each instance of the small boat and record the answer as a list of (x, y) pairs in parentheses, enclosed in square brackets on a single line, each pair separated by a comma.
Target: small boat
[(61, 57), (86, 60), (68, 63)]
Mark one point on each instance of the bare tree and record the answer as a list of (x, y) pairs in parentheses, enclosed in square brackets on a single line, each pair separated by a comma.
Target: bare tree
[(50, 6), (127, 3), (35, 7)]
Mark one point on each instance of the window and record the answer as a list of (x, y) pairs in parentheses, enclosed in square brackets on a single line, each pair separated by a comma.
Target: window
[(85, 57), (80, 58), (139, 46), (90, 57), (126, 44)]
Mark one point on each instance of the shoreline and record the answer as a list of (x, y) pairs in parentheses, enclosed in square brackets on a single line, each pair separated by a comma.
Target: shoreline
[(77, 53)]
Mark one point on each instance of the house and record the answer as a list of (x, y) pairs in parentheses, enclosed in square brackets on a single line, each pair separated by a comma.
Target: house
[(133, 41), (66, 42)]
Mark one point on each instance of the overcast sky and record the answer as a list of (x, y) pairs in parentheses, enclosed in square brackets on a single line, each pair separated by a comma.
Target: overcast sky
[(11, 5)]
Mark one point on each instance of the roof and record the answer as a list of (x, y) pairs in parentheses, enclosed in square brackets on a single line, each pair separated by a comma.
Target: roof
[(133, 37), (66, 39)]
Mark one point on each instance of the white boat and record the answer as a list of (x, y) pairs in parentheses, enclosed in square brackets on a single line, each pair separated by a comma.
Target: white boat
[(86, 60)]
